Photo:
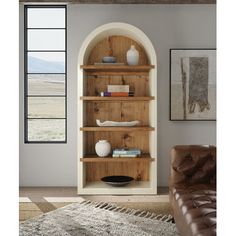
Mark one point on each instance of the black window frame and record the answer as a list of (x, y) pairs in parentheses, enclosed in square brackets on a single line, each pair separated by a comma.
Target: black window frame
[(26, 73)]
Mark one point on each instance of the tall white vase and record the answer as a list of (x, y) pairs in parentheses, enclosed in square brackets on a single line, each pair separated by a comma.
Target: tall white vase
[(132, 56), (102, 148)]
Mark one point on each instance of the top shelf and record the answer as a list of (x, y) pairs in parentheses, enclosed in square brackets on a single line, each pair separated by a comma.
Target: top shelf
[(141, 68)]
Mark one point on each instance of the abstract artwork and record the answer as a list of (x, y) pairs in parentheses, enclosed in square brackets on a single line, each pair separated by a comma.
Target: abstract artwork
[(192, 84)]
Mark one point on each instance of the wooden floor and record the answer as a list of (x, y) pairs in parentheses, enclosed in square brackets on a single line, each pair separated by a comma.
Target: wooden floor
[(35, 201), (69, 194)]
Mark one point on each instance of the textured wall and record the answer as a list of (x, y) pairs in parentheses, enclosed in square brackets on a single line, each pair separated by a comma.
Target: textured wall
[(167, 26)]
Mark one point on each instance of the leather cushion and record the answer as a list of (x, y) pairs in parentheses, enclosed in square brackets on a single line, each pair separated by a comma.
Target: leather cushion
[(194, 164), (197, 204)]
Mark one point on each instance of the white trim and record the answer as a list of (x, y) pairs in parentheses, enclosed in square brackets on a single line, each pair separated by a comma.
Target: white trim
[(118, 28)]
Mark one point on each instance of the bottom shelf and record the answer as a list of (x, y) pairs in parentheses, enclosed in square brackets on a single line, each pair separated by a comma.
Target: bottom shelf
[(134, 184), (136, 187)]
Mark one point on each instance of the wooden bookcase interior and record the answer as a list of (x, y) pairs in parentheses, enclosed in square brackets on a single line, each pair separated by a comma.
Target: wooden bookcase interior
[(95, 80)]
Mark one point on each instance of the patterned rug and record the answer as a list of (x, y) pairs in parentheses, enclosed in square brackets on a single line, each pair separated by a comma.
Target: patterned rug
[(91, 218)]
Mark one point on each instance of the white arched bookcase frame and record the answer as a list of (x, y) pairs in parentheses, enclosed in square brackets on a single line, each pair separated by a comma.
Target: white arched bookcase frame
[(122, 29)]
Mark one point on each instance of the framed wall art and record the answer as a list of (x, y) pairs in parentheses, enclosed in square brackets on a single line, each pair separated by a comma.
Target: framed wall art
[(192, 84)]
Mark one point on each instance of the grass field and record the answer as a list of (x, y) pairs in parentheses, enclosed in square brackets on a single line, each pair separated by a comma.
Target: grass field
[(52, 129)]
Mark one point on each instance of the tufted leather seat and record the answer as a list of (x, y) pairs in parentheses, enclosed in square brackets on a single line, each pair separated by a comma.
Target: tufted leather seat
[(192, 189)]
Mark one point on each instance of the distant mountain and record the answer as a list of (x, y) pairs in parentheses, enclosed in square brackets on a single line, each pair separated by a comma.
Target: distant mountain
[(36, 65)]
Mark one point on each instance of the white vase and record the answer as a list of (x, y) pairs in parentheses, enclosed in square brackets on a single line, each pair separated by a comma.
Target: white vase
[(102, 148), (132, 56)]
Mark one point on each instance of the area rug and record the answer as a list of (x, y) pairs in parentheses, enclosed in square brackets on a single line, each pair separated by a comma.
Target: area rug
[(92, 218), (28, 210)]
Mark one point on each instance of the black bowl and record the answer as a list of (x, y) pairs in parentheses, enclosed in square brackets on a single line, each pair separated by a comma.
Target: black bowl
[(117, 180)]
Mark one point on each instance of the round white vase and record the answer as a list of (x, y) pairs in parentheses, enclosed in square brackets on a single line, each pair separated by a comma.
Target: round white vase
[(102, 148), (132, 56)]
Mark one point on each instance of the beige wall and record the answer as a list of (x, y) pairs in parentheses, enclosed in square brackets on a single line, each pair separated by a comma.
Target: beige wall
[(167, 26)]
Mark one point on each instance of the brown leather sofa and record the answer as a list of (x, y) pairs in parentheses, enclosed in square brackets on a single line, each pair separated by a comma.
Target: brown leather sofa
[(192, 189)]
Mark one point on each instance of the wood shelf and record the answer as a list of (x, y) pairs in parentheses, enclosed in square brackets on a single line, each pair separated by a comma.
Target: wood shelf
[(133, 184), (95, 158), (113, 128), (94, 78), (117, 68), (98, 98)]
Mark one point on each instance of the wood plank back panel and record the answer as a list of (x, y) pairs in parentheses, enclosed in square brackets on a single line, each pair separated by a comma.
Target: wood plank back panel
[(116, 46), (96, 81), (117, 140), (95, 171), (117, 111), (95, 84)]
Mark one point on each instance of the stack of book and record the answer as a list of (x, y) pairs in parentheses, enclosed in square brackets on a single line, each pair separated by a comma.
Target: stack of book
[(118, 91), (109, 63), (123, 152)]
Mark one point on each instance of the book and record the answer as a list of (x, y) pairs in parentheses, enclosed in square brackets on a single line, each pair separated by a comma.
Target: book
[(109, 63), (117, 88), (127, 152), (124, 155), (117, 94), (126, 149)]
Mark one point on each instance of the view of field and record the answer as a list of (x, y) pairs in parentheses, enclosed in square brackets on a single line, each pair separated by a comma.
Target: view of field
[(46, 130), (46, 107)]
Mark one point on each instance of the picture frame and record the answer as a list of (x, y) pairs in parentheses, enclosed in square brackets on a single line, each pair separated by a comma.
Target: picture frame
[(192, 84)]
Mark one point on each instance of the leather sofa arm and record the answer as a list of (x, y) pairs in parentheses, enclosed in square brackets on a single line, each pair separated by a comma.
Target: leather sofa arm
[(192, 164)]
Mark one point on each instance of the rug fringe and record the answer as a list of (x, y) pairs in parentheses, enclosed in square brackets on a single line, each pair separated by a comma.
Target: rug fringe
[(124, 210)]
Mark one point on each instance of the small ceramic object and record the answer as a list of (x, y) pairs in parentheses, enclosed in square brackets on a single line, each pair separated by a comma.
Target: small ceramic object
[(132, 56), (103, 148), (114, 123), (109, 59)]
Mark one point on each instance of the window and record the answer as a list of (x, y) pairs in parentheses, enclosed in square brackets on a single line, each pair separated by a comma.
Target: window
[(45, 87)]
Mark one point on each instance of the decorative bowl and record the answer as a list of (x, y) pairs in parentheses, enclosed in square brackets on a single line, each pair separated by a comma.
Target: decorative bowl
[(117, 180), (117, 123), (109, 59)]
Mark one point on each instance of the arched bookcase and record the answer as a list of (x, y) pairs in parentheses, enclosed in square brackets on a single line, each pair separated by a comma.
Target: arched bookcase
[(93, 79)]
